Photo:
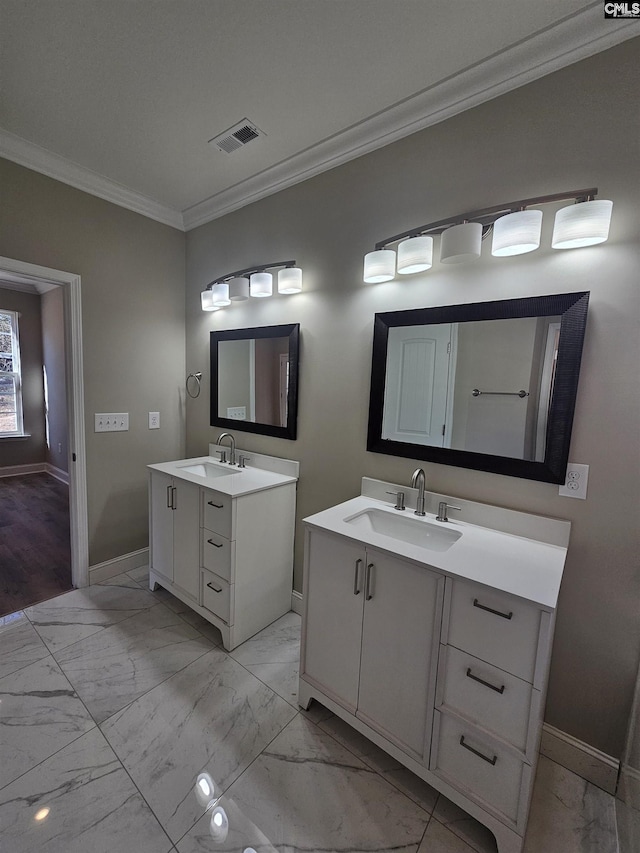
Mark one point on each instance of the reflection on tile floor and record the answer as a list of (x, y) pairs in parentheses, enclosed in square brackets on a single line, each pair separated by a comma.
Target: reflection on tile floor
[(114, 699)]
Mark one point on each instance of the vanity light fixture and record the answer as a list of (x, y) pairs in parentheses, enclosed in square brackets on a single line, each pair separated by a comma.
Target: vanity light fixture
[(516, 230), (252, 281)]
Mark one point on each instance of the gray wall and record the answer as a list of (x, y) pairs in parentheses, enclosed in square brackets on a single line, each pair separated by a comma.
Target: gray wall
[(53, 355), (33, 449), (132, 271), (576, 128)]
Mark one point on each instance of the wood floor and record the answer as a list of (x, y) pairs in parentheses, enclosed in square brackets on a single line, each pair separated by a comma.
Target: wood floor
[(35, 551)]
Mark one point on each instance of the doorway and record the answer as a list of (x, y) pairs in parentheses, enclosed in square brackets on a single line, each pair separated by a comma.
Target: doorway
[(20, 272)]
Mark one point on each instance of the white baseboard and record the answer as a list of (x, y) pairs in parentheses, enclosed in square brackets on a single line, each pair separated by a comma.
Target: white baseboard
[(583, 760), (16, 470), (296, 602), (110, 568), (58, 473)]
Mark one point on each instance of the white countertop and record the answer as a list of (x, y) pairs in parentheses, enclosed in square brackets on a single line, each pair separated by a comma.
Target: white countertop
[(528, 568), (239, 481)]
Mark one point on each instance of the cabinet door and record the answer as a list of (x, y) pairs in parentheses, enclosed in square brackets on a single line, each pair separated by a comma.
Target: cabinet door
[(402, 616), (333, 623), (161, 524), (186, 538)]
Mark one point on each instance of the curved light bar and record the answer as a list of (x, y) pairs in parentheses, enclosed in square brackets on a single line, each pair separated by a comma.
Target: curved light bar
[(379, 266), (516, 233), (290, 280), (583, 224), (415, 254), (461, 243)]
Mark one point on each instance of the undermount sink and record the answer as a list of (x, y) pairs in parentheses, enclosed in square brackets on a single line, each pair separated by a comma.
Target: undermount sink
[(208, 470), (413, 531)]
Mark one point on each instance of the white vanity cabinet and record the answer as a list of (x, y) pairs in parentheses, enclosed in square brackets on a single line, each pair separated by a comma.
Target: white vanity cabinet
[(222, 541), (437, 647), (175, 550), (373, 620)]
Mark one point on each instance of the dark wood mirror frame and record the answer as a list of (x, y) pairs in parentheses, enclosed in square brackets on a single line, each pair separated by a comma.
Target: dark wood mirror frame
[(292, 331), (572, 307)]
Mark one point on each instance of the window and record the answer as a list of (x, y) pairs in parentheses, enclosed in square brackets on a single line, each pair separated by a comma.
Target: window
[(10, 385)]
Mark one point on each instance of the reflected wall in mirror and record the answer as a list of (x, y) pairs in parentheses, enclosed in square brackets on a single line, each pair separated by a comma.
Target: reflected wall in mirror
[(254, 379), (489, 386)]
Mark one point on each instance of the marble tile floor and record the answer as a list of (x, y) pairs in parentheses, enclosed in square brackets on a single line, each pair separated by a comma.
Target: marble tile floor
[(113, 699)]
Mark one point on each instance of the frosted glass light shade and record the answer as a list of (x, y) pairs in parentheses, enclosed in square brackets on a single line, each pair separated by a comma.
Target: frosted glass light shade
[(220, 293), (239, 289), (415, 254), (379, 266), (261, 284), (583, 224), (290, 280), (461, 243), (516, 233), (206, 301)]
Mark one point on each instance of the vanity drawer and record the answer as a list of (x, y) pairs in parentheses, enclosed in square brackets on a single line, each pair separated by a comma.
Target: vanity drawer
[(216, 512), (477, 766), (216, 595), (487, 696), (495, 627), (217, 554)]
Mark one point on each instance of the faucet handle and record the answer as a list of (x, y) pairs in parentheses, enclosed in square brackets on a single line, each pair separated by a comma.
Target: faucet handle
[(443, 506), (399, 499), (223, 455), (242, 459)]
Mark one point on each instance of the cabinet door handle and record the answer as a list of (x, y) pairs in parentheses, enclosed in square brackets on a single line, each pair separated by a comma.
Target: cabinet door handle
[(491, 761), (214, 588), (215, 544), (356, 587), (174, 502), (368, 594), (217, 506), (476, 603), (482, 681), (169, 497)]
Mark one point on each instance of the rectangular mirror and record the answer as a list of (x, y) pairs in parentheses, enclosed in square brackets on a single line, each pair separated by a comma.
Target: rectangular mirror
[(254, 379), (489, 385)]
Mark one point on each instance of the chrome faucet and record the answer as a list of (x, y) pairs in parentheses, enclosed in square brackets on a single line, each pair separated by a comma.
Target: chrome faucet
[(232, 446), (418, 482)]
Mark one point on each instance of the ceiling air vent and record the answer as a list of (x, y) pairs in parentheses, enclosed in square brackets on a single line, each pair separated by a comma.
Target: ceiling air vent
[(237, 136)]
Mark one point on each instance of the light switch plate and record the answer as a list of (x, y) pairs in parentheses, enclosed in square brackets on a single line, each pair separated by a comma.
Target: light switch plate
[(575, 485), (154, 420), (112, 422)]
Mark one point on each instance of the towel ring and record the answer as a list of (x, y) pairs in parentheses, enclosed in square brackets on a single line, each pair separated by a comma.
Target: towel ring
[(197, 377)]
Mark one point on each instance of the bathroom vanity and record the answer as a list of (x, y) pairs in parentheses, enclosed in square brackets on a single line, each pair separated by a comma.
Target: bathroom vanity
[(221, 539), (433, 639)]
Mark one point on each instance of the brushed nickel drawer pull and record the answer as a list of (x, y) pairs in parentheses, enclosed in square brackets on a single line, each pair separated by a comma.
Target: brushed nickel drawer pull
[(217, 506), (214, 588), (215, 544), (476, 603), (169, 497), (482, 681), (356, 588), (491, 761)]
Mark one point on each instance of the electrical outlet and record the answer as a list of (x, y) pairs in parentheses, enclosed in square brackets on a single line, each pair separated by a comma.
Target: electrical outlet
[(112, 422), (237, 413), (154, 420), (575, 485)]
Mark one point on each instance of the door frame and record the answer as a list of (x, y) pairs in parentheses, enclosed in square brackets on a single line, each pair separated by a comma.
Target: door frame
[(71, 284)]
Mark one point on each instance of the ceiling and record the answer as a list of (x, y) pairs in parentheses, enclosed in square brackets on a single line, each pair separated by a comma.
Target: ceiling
[(121, 97)]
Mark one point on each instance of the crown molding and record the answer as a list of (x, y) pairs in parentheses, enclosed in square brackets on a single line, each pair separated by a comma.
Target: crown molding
[(25, 153), (575, 38), (570, 40)]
